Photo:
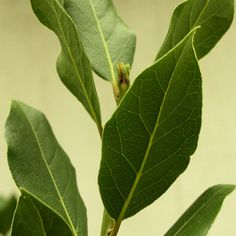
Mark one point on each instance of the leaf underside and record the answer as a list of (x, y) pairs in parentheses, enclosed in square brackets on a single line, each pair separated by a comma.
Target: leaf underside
[(214, 17), (106, 39), (73, 66), (149, 139), (199, 217), (41, 168)]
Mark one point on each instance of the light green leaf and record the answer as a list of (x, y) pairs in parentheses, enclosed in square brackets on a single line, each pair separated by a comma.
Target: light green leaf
[(41, 168), (199, 217), (7, 208), (149, 139), (214, 17), (27, 220), (106, 39), (73, 66)]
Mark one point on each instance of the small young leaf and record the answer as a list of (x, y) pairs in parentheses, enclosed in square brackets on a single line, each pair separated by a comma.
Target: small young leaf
[(149, 139), (199, 217), (27, 220), (53, 224), (73, 66), (7, 208), (41, 168), (106, 39), (214, 17)]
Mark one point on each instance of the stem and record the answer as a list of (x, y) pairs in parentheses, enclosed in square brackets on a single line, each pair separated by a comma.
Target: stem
[(115, 229), (116, 91), (107, 224), (107, 221)]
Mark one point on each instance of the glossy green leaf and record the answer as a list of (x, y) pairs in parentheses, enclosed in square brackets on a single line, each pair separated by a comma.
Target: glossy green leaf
[(106, 39), (149, 139), (214, 17), (52, 223), (27, 220), (7, 208), (73, 66), (41, 168), (47, 220), (198, 219)]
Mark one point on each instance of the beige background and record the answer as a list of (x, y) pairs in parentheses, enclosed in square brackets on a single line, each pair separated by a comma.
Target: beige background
[(28, 52)]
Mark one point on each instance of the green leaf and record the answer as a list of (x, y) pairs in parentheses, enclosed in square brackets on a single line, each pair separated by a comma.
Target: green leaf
[(214, 17), (199, 217), (33, 218), (73, 66), (106, 39), (149, 139), (7, 208), (27, 220), (41, 168), (53, 225)]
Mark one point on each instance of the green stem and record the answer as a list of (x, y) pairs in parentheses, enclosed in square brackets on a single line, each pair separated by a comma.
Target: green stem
[(116, 91), (107, 221), (107, 224), (115, 229)]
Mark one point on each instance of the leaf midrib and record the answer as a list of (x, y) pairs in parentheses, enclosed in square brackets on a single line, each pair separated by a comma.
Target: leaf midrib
[(73, 61), (110, 64), (195, 23), (146, 155), (49, 171), (201, 13)]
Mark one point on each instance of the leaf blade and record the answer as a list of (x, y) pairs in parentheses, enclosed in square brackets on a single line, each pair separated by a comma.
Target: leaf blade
[(52, 223), (106, 39), (134, 153), (199, 217), (7, 208), (214, 17), (27, 220), (41, 167), (72, 65)]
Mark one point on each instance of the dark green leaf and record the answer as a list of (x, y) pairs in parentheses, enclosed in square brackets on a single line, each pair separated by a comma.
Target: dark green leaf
[(7, 208), (53, 225), (73, 66), (198, 219), (106, 39), (41, 168), (149, 139), (27, 220), (214, 17)]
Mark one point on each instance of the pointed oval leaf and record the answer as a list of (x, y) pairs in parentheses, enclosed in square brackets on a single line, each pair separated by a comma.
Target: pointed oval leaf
[(27, 220), (106, 39), (214, 17), (41, 167), (7, 208), (72, 65), (199, 217), (149, 139)]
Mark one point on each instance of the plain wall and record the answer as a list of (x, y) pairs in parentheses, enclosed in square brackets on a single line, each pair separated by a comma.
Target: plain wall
[(28, 53)]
